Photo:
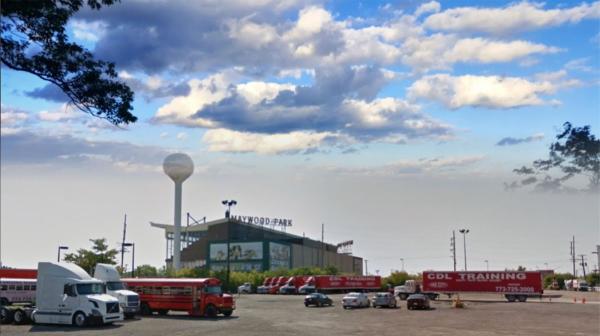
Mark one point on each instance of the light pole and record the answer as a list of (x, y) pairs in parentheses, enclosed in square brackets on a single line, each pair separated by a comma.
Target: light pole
[(464, 233), (132, 257), (228, 204), (487, 265), (61, 248), (402, 260)]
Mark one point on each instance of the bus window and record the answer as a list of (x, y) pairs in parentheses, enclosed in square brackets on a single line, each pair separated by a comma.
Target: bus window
[(26, 287), (166, 290), (19, 287), (11, 287), (32, 287), (4, 287)]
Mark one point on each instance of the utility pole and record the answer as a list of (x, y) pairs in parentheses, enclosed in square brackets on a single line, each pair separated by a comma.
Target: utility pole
[(366, 267), (573, 257), (402, 260), (123, 242), (583, 263), (453, 248), (597, 253), (464, 233), (322, 245)]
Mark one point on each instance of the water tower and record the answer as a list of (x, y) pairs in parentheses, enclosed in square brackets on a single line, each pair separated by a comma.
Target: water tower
[(178, 167)]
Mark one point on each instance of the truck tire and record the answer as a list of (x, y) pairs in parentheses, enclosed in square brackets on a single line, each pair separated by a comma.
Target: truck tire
[(522, 298), (79, 320), (402, 296), (6, 315), (129, 316), (19, 316), (210, 311), (511, 298), (228, 313)]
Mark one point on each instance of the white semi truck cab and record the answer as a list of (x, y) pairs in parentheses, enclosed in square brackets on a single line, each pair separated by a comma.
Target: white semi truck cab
[(66, 294), (128, 300)]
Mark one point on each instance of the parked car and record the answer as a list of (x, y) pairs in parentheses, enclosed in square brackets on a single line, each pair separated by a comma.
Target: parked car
[(246, 288), (355, 300), (384, 299), (418, 301), (317, 299)]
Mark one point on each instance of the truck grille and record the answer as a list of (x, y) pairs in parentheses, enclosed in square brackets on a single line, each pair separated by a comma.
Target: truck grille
[(112, 307), (133, 300)]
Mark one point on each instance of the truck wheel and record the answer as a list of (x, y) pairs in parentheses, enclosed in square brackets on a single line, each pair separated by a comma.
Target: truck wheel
[(210, 311), (522, 298), (129, 316), (228, 312), (19, 316), (402, 296), (79, 320), (511, 298), (6, 316)]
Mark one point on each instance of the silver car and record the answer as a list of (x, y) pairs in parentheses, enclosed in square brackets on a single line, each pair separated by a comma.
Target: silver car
[(355, 300), (384, 299)]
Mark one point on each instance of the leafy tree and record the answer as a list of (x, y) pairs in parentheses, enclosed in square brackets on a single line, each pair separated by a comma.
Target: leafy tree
[(146, 271), (87, 259), (576, 152), (33, 40)]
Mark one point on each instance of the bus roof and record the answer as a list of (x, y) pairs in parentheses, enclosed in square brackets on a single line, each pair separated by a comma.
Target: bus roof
[(17, 280), (172, 280)]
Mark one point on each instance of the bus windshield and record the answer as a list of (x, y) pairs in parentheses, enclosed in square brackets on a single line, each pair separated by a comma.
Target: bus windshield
[(91, 288), (115, 285), (212, 289)]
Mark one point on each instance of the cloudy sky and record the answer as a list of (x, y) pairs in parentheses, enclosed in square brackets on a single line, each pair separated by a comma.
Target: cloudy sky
[(393, 123)]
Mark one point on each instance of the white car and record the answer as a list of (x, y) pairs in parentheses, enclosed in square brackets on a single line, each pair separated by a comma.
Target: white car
[(355, 300), (246, 288)]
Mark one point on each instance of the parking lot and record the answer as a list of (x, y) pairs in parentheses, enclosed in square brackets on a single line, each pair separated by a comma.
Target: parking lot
[(286, 315)]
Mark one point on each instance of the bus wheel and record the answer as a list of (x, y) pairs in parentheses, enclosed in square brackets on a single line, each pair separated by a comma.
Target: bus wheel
[(210, 311), (228, 312), (6, 316), (145, 309), (522, 298), (19, 316), (511, 298), (79, 320)]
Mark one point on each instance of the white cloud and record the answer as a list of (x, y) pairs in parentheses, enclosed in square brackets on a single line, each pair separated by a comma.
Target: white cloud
[(515, 17), (484, 91), (429, 7), (63, 113), (182, 136), (11, 117), (164, 135), (88, 31), (224, 140)]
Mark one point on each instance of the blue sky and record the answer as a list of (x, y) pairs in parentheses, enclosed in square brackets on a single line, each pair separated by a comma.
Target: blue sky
[(407, 90)]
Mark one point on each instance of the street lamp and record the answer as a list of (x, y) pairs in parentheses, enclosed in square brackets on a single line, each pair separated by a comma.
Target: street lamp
[(228, 204), (464, 233), (402, 260), (61, 248), (132, 257)]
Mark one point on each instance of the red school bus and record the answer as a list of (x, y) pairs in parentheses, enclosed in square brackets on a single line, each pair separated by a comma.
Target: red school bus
[(198, 297)]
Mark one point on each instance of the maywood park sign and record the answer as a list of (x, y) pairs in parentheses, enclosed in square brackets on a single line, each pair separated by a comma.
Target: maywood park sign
[(264, 220)]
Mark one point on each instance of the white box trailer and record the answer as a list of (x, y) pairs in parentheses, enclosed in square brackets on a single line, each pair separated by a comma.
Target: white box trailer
[(129, 300), (66, 294)]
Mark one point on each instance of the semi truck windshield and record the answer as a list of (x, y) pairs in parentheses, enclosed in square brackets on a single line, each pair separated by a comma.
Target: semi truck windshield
[(115, 285), (85, 289)]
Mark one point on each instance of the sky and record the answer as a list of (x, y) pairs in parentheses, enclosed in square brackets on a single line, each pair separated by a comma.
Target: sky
[(392, 123)]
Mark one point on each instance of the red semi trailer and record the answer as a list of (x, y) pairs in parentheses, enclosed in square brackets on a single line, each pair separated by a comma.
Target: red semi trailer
[(344, 283), (515, 285)]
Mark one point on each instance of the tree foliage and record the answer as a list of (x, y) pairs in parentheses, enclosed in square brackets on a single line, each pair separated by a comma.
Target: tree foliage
[(146, 271), (576, 152), (87, 259), (33, 39)]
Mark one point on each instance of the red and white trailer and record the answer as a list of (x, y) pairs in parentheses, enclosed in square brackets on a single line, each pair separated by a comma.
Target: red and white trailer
[(514, 285), (342, 283)]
